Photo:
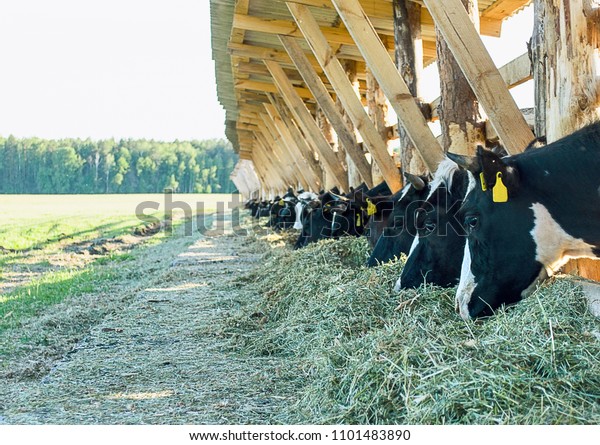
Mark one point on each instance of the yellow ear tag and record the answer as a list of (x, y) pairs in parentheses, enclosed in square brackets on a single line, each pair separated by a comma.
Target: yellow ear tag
[(281, 202), (499, 192), (483, 184), (358, 220), (371, 208)]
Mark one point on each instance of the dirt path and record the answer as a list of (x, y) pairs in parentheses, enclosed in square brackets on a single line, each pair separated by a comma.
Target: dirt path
[(163, 358)]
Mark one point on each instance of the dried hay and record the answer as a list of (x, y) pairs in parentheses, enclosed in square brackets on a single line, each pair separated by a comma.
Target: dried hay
[(364, 355)]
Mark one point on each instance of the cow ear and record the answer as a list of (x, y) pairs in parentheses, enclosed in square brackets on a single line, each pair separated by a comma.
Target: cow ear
[(469, 163), (497, 176), (416, 181)]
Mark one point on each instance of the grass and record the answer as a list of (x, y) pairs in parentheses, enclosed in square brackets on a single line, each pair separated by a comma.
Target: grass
[(365, 355), (39, 231)]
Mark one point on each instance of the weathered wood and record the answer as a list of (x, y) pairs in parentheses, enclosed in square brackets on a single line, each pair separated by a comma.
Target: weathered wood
[(345, 92), (316, 86), (483, 76), (308, 124), (463, 128), (390, 80), (537, 56), (409, 61)]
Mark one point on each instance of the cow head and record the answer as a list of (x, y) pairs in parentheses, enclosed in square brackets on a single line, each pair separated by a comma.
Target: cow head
[(398, 232), (499, 262), (438, 234)]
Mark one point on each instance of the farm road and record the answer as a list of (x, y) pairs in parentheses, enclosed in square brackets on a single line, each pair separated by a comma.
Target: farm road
[(162, 360)]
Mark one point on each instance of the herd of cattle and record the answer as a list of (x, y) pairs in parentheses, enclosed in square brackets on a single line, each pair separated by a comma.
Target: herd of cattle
[(496, 226)]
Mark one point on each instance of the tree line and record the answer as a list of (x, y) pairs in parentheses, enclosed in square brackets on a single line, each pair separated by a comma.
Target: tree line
[(128, 166)]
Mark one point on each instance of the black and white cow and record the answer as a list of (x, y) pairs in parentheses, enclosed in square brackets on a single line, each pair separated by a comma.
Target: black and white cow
[(525, 216), (435, 255), (394, 221)]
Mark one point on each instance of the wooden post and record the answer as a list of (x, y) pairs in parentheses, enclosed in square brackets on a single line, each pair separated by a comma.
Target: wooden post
[(568, 82), (352, 105), (462, 125), (378, 111), (409, 61), (310, 128), (331, 138), (350, 70), (314, 83), (537, 55), (394, 87), (475, 62)]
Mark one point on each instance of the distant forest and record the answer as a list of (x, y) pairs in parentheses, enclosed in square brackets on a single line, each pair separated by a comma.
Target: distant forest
[(127, 166)]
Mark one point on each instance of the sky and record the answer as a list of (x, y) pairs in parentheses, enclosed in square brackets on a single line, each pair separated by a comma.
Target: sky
[(133, 69), (109, 68)]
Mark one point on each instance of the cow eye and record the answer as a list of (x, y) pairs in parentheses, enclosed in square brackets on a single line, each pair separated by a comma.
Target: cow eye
[(471, 222)]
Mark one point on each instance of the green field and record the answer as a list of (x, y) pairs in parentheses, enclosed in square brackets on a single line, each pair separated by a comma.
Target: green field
[(55, 246), (36, 221)]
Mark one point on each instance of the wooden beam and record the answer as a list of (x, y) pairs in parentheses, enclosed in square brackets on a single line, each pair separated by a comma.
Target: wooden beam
[(391, 82), (337, 77), (319, 91), (280, 160), (308, 124), (514, 73), (285, 153), (306, 151), (313, 182), (483, 76), (283, 27), (271, 169), (253, 85)]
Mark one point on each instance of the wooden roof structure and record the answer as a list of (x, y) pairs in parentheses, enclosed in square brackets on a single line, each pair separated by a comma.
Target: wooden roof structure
[(253, 64)]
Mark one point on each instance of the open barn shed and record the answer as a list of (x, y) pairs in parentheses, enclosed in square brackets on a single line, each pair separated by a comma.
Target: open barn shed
[(308, 86)]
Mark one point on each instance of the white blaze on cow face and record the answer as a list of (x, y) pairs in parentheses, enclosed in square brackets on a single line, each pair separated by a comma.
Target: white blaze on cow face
[(413, 246), (298, 222), (443, 175), (466, 286), (554, 246)]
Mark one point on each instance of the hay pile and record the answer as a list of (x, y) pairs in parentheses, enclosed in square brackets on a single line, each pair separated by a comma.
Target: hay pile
[(364, 355)]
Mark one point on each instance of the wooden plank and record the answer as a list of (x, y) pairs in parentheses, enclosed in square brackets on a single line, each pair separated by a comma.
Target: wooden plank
[(312, 180), (253, 85), (298, 138), (391, 82), (308, 124), (286, 158), (483, 76), (273, 172), (514, 73), (337, 77), (287, 28), (319, 91), (285, 167)]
